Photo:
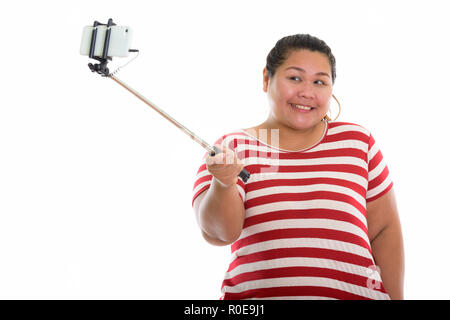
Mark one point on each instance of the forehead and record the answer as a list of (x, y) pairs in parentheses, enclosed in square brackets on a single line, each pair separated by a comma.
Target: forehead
[(311, 61)]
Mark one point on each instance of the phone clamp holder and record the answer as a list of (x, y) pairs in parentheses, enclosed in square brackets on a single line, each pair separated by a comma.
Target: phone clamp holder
[(101, 67)]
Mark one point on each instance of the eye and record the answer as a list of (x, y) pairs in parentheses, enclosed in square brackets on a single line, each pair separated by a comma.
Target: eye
[(295, 78), (320, 82)]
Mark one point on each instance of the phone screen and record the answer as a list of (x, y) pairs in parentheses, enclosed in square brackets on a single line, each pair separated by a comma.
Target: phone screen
[(119, 44)]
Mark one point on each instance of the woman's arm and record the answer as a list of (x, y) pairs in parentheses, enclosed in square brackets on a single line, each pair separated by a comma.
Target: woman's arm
[(220, 210), (387, 242), (220, 213)]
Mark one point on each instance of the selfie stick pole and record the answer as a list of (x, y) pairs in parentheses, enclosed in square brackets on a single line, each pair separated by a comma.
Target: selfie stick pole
[(212, 150), (191, 134), (102, 69)]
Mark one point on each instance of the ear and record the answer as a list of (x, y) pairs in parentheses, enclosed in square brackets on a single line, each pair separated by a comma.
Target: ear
[(265, 79)]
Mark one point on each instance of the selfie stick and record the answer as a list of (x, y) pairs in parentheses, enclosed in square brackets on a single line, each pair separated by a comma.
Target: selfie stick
[(102, 69)]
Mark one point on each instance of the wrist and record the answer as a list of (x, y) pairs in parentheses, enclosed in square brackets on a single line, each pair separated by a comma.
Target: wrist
[(222, 185)]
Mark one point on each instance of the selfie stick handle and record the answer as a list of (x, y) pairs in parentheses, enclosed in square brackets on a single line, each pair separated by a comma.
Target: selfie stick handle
[(244, 174)]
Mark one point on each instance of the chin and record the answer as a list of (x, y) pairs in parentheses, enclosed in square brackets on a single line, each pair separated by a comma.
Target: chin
[(304, 124)]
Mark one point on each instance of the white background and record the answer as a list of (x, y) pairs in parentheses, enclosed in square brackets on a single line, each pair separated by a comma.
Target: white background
[(95, 187)]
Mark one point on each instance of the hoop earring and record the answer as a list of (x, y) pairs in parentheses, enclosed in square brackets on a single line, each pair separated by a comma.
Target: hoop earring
[(328, 118)]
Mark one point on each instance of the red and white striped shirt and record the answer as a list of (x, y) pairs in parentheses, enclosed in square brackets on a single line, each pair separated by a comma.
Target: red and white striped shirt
[(305, 231)]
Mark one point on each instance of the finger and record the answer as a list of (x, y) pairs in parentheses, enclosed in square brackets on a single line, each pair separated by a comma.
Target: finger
[(219, 149), (217, 159), (209, 161), (230, 158)]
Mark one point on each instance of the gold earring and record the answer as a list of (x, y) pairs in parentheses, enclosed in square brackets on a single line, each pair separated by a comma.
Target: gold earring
[(328, 118)]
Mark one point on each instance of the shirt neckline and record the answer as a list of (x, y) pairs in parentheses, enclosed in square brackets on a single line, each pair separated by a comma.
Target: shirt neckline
[(325, 132)]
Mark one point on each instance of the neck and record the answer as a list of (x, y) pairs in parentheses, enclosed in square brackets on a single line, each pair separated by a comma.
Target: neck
[(293, 138)]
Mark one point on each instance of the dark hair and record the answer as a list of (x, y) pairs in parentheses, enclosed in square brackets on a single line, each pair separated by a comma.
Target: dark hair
[(285, 45)]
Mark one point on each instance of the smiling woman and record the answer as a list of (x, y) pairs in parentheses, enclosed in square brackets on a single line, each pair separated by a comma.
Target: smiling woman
[(317, 219), (299, 93)]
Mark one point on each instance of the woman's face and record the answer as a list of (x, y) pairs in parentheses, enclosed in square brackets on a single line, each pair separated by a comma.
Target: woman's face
[(299, 92)]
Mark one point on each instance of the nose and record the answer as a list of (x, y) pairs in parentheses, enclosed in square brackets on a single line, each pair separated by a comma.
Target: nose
[(306, 91)]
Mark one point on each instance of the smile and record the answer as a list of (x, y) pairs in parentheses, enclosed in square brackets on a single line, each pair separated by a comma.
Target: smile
[(301, 107)]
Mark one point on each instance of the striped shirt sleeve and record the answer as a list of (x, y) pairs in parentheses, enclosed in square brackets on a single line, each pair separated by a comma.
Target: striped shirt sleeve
[(203, 178), (379, 181)]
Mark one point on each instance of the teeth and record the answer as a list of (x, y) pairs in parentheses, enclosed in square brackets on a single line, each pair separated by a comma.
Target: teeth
[(302, 107)]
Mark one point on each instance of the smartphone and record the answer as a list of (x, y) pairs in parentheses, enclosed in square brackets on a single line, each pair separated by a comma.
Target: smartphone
[(119, 44)]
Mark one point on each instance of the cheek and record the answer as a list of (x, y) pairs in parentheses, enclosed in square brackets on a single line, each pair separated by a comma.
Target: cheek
[(286, 94), (325, 103), (324, 100), (280, 95)]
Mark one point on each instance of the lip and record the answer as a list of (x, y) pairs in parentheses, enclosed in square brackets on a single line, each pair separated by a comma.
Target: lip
[(301, 110), (302, 104)]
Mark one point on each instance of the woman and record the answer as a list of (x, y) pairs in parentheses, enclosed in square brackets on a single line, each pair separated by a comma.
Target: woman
[(317, 219)]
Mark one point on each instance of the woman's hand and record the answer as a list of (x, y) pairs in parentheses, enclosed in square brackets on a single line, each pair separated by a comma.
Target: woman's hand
[(224, 166)]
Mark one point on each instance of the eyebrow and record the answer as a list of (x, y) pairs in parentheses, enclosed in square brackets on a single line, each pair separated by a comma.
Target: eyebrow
[(303, 70)]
